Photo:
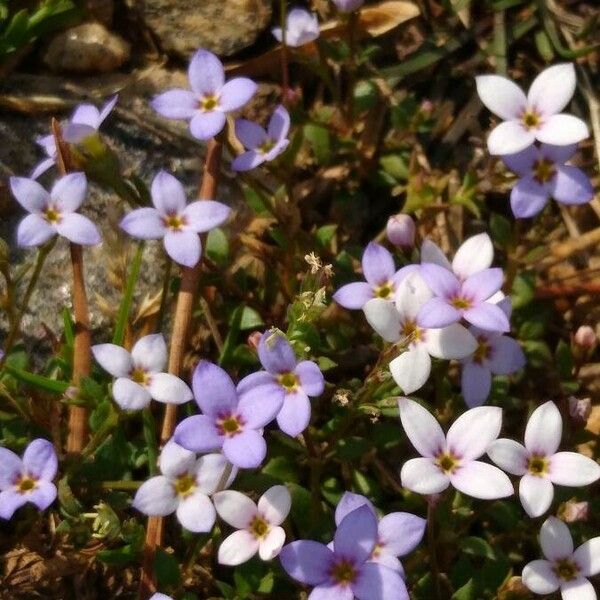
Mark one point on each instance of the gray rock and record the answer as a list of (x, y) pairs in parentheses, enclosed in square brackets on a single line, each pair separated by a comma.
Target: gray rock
[(222, 26)]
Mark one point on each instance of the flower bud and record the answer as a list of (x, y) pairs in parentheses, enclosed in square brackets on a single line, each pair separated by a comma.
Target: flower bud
[(585, 337), (348, 5), (254, 339), (580, 409), (400, 230), (575, 511)]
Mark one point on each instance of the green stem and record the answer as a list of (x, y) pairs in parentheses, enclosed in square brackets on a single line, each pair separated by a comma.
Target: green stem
[(165, 294), (433, 563), (149, 428), (121, 485), (500, 42)]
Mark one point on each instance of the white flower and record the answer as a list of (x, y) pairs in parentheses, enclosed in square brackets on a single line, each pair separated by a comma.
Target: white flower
[(258, 526), (564, 568), (301, 27), (535, 116), (538, 462), (396, 323), (451, 460), (139, 373)]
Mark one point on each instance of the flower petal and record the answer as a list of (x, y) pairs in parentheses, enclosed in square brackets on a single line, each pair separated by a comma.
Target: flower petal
[(474, 254), (483, 284), (130, 395), (150, 353), (432, 253), (210, 469), (536, 494), (237, 548), (384, 318), (421, 428), (275, 504), (236, 93), (245, 450), (552, 89), (183, 247), (294, 416), (176, 104), (579, 589), (509, 455), (475, 383), (113, 359), (306, 561), (69, 192), (198, 434), (311, 378), (29, 194), (401, 532), (522, 162), (437, 313), (168, 195), (10, 501), (471, 434), (528, 197), (107, 109), (144, 223), (213, 389), (235, 508), (482, 481), (43, 495), (377, 264), (167, 388), (257, 379), (441, 281), (205, 125), (259, 406), (205, 215), (349, 502), (501, 96), (378, 582), (544, 430), (42, 167), (275, 353), (562, 130), (78, 229), (174, 460), (411, 295), (356, 535), (40, 461), (571, 186), (555, 539), (506, 356), (248, 160), (572, 469), (11, 468), (250, 134), (279, 123), (271, 545), (539, 577), (196, 512), (422, 476), (156, 497), (205, 73), (354, 295), (331, 592), (587, 556), (509, 137), (452, 342), (487, 316), (34, 230), (411, 369)]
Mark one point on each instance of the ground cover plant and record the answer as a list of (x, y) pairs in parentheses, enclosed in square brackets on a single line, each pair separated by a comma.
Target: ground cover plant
[(370, 376)]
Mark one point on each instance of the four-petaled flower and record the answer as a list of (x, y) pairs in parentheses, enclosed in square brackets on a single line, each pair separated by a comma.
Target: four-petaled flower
[(28, 479), (285, 378), (228, 421), (176, 222), (262, 145), (345, 570), (301, 27), (210, 98), (259, 527), (139, 373), (564, 569), (398, 533), (381, 276), (452, 459), (538, 462), (84, 122), (495, 354), (53, 213), (543, 174), (398, 323), (535, 116), (184, 487)]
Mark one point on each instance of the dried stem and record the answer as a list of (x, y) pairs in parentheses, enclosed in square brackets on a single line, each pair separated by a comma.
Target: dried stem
[(433, 564)]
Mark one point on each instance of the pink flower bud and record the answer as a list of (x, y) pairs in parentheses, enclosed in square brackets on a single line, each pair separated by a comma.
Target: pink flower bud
[(401, 230), (580, 409), (426, 106), (585, 337), (575, 511), (254, 339)]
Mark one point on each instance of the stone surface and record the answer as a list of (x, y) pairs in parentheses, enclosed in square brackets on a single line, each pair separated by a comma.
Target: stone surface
[(222, 26)]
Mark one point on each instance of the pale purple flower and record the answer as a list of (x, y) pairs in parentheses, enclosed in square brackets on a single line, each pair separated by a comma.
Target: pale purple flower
[(177, 223), (210, 99), (348, 5), (84, 122), (262, 145), (400, 230), (53, 213), (564, 569), (28, 479), (468, 299), (382, 279), (495, 354), (543, 174), (398, 533), (139, 373), (539, 464), (535, 116), (301, 27), (452, 459), (229, 421), (258, 526), (159, 596), (286, 379), (585, 337), (184, 487), (398, 324), (344, 571)]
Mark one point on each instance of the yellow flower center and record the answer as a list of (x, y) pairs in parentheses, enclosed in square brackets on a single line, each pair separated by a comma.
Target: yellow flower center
[(376, 551), (543, 170), (266, 146), (412, 332), (538, 465), (25, 484), (289, 381), (461, 303), (531, 120), (52, 215), (344, 572), (384, 291), (483, 350), (566, 569), (230, 425), (140, 376), (447, 462), (259, 527), (208, 103), (185, 485), (174, 222)]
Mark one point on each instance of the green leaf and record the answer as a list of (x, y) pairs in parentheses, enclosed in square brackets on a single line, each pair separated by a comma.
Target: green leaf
[(38, 381), (466, 592), (395, 165), (127, 301), (564, 359), (166, 569), (477, 547), (523, 290), (325, 234), (319, 140), (250, 319), (501, 230), (283, 468), (217, 246), (118, 556), (366, 95)]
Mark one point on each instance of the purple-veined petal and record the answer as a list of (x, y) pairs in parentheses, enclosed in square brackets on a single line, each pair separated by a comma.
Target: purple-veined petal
[(384, 318), (42, 167), (256, 380), (248, 160), (378, 582), (86, 114), (506, 356), (483, 284), (196, 512), (422, 428), (579, 589), (279, 123), (250, 134), (11, 468), (237, 548), (275, 353), (150, 353), (475, 383), (571, 469), (259, 406), (423, 476), (130, 395), (306, 561), (210, 470), (354, 295), (198, 434), (544, 430), (29, 194), (482, 481), (236, 93), (522, 162), (411, 295), (235, 508), (562, 130), (349, 502), (245, 450), (274, 505), (452, 342), (552, 89), (144, 223), (294, 416), (471, 434), (509, 455), (437, 313), (10, 501), (356, 535), (587, 556), (411, 369), (555, 539), (441, 281), (183, 247), (528, 197), (40, 461), (311, 379), (168, 195), (377, 264), (213, 389), (501, 96), (113, 359), (487, 316), (169, 389), (536, 494), (401, 532), (539, 577), (176, 104), (78, 229), (509, 137), (156, 497), (432, 253), (205, 73), (34, 230), (43, 495), (204, 215), (175, 460), (271, 544), (474, 254), (571, 185), (205, 125)]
